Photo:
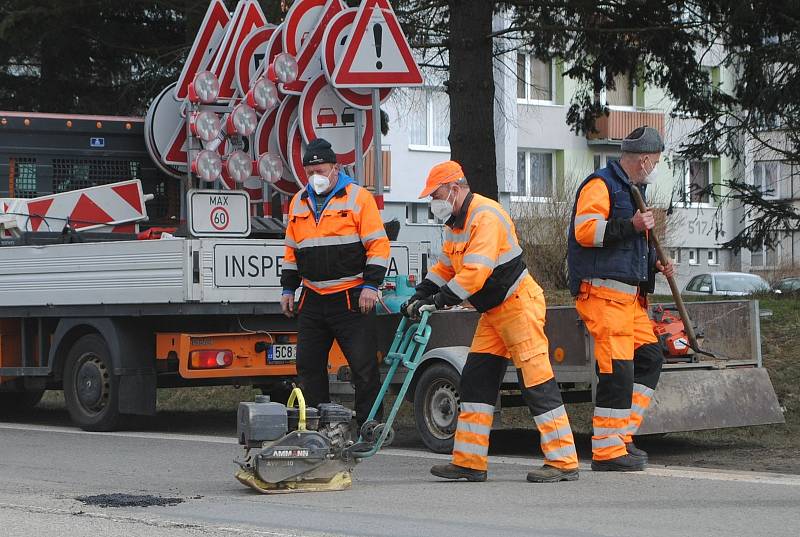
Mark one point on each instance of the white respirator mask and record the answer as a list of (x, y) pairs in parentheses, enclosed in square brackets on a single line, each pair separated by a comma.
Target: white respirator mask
[(650, 178), (442, 209), (320, 183)]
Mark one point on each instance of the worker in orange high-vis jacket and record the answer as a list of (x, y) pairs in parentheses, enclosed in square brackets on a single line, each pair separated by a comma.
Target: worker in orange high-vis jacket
[(611, 269), (482, 262), (337, 248)]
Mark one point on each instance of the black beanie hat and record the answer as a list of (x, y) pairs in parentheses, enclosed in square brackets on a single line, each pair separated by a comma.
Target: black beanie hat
[(319, 151)]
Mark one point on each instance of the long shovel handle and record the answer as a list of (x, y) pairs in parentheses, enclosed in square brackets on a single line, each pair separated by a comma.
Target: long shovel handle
[(676, 294)]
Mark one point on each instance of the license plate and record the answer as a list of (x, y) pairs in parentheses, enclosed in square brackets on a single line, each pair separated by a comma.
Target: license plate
[(281, 353)]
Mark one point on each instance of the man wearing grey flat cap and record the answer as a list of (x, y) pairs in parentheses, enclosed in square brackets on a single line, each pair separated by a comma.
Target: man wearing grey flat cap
[(611, 269)]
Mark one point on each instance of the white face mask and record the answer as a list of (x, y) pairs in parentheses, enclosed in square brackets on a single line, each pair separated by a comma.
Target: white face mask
[(650, 178), (320, 183), (442, 209)]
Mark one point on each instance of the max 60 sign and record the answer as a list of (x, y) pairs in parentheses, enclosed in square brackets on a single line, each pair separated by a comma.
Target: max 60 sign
[(219, 213)]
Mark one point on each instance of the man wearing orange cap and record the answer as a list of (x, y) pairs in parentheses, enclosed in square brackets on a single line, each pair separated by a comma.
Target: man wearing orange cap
[(482, 262)]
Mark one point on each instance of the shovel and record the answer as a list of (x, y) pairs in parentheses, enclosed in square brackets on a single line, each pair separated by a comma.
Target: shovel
[(676, 294)]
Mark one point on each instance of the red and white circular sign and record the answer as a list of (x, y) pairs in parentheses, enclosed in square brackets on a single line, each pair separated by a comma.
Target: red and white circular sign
[(333, 45), (299, 23), (266, 141), (287, 114), (162, 121), (220, 218), (323, 114), (251, 56), (295, 150)]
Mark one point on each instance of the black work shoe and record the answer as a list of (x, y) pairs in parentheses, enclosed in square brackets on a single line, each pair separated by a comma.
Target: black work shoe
[(551, 474), (451, 471), (634, 451), (626, 463)]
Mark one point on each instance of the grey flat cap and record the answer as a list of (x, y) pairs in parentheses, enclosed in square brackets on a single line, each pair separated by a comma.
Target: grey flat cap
[(643, 140)]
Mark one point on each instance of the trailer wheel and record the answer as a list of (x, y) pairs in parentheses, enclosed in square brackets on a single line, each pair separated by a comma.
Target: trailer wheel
[(91, 390), (436, 403), (15, 403)]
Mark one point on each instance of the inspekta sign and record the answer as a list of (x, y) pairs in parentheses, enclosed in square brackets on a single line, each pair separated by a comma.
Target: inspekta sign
[(219, 213)]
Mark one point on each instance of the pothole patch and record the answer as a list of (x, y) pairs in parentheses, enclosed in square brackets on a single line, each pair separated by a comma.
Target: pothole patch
[(128, 500)]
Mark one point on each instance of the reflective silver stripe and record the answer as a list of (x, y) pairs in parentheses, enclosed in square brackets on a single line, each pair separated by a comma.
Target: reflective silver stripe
[(608, 431), (515, 252), (551, 415), (561, 453), (474, 449), (562, 432), (289, 266), (609, 441), (516, 284), (459, 291), (613, 284), (638, 409), (474, 428), (601, 412), (290, 243), (330, 283), (435, 278), (481, 408), (479, 260), (631, 429), (328, 241), (484, 208), (644, 390), (444, 260), (580, 219), (300, 211), (457, 238), (380, 261), (599, 233), (380, 234)]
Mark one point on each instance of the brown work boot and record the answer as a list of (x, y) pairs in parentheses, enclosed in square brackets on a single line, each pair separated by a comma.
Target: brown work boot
[(551, 474), (451, 471), (625, 463)]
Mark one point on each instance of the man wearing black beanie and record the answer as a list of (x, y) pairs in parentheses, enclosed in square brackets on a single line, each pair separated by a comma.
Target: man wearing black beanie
[(337, 248)]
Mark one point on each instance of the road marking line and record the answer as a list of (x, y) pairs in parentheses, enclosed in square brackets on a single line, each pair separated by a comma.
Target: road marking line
[(688, 472)]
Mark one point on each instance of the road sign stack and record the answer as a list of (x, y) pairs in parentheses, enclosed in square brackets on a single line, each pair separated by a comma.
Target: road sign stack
[(251, 95)]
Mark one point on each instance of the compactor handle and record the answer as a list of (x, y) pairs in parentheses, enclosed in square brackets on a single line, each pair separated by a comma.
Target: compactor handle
[(297, 394)]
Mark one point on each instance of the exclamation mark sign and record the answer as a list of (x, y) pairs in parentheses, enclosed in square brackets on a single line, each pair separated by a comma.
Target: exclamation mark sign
[(377, 32)]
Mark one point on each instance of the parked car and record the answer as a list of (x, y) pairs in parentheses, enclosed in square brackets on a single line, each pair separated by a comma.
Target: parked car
[(726, 284), (787, 285)]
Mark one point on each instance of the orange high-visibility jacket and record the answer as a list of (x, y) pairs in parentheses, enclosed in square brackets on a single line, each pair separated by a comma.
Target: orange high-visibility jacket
[(346, 247), (482, 259)]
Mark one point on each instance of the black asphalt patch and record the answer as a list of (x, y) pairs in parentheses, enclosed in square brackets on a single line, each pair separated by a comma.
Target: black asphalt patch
[(128, 500)]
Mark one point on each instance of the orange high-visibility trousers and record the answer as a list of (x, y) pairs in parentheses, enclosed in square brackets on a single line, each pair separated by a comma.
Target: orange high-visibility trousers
[(513, 330), (628, 360)]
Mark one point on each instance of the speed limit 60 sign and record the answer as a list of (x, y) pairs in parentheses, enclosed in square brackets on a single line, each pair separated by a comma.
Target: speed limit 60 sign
[(219, 213)]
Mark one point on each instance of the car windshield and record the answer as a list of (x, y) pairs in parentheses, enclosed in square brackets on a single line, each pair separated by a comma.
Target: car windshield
[(743, 283)]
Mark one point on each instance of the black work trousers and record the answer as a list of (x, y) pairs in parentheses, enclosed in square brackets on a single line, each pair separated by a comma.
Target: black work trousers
[(321, 318)]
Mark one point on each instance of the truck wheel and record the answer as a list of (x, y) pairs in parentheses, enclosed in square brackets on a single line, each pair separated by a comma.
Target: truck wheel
[(436, 403), (15, 403), (91, 390)]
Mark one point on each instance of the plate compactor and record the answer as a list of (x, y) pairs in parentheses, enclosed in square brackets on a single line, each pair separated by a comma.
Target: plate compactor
[(308, 449)]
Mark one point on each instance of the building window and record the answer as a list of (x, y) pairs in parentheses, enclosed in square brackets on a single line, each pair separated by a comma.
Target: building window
[(535, 79), (693, 257), (534, 175), (765, 177), (712, 257), (623, 96), (675, 255), (602, 160), (693, 179), (429, 121), (763, 257)]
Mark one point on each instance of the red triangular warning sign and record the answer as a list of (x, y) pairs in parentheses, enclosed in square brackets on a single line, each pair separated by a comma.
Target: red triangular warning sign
[(176, 154), (130, 193), (206, 43), (249, 18), (88, 213), (376, 54)]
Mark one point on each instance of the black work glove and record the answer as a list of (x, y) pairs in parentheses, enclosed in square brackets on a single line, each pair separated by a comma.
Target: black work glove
[(414, 308), (404, 307)]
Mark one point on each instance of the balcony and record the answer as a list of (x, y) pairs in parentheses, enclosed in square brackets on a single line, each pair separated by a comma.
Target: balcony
[(611, 129), (386, 166)]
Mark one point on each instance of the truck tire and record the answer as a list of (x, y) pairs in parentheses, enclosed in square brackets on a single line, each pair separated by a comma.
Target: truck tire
[(16, 403), (91, 390), (436, 402)]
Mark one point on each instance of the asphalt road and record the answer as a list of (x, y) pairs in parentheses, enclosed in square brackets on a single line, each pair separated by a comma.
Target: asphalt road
[(44, 468)]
